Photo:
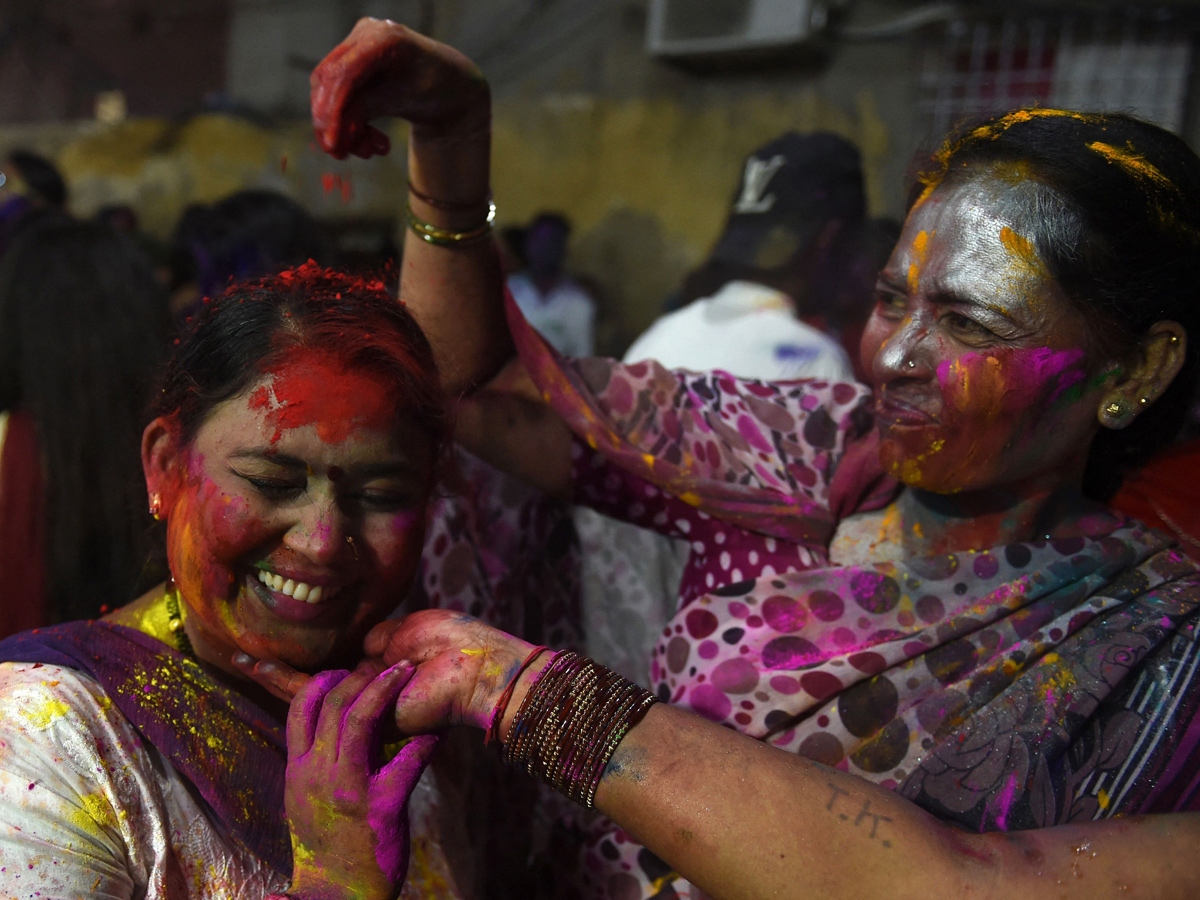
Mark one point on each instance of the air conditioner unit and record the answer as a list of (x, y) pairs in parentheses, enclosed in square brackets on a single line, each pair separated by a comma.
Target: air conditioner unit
[(695, 29)]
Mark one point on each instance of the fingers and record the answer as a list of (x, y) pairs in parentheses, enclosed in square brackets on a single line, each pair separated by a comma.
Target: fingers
[(369, 711), (337, 702), (401, 775), (277, 677), (304, 714), (378, 637), (372, 142), (373, 666), (421, 635)]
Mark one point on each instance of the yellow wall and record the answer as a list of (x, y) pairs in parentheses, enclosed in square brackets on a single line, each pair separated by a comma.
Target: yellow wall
[(646, 181)]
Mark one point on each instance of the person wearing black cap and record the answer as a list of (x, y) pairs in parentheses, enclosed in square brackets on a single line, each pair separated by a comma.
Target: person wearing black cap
[(796, 211), (785, 253)]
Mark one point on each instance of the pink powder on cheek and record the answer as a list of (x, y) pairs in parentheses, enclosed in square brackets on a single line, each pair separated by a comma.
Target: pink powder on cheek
[(318, 389), (1014, 380)]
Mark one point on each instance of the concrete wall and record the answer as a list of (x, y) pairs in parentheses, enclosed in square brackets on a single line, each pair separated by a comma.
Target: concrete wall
[(643, 156)]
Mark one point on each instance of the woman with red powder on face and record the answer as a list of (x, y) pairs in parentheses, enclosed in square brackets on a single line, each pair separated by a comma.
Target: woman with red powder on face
[(293, 449), (916, 584)]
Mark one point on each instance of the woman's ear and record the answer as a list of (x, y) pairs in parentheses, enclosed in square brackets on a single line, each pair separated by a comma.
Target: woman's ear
[(161, 464), (1148, 371)]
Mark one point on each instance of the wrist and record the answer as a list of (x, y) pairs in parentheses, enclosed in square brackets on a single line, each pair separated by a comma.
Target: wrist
[(450, 174), (521, 686)]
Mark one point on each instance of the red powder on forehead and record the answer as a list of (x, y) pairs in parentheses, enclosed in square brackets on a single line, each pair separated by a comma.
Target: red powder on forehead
[(317, 388)]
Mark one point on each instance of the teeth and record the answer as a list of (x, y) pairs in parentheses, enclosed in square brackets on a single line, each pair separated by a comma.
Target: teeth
[(298, 590)]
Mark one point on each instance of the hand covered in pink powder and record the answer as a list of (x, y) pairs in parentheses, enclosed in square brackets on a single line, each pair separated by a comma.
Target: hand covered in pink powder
[(462, 667), (385, 69), (347, 810)]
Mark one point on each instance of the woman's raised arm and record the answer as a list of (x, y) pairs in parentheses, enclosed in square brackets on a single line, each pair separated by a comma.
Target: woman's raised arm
[(454, 288)]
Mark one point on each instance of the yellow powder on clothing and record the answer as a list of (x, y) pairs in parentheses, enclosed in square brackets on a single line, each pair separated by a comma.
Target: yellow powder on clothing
[(96, 813), (40, 715)]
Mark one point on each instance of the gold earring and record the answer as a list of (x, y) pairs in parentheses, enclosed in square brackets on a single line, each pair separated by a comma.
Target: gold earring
[(1117, 413), (156, 506)]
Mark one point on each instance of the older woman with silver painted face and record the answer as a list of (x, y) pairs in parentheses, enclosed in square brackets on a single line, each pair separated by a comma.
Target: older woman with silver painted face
[(942, 664)]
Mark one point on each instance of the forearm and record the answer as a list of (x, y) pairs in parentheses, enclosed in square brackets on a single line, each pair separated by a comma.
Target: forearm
[(456, 293), (741, 819)]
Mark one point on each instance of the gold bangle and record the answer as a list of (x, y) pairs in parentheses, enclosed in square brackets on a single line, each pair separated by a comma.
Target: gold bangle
[(446, 237)]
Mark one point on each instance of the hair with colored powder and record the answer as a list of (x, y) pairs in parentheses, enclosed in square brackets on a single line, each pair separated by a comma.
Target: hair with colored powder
[(1114, 213), (241, 334)]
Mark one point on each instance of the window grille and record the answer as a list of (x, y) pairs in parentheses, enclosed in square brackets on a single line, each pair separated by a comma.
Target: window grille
[(1131, 60)]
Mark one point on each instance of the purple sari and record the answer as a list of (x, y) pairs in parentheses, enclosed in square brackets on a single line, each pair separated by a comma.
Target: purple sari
[(230, 749)]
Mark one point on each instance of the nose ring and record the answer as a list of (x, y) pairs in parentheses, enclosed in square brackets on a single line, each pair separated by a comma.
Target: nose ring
[(911, 364), (353, 549)]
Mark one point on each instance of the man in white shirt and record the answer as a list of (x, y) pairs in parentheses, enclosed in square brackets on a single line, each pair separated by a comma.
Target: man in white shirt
[(790, 248), (552, 302), (783, 255)]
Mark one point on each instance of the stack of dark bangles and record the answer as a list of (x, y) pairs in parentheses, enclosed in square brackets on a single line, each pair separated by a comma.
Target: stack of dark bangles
[(572, 719)]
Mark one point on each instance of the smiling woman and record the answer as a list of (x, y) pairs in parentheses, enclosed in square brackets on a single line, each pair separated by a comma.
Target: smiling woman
[(294, 490), (294, 446)]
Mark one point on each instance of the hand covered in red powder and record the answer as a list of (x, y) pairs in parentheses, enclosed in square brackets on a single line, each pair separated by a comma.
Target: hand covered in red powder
[(462, 667), (346, 810), (385, 69)]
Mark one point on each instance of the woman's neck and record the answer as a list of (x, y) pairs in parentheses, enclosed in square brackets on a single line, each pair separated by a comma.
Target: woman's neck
[(932, 524), (149, 614)]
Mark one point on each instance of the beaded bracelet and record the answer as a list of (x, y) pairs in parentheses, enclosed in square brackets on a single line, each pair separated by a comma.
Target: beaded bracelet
[(570, 723), (447, 237)]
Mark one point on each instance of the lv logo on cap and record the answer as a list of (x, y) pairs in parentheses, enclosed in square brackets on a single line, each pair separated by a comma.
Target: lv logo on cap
[(758, 174)]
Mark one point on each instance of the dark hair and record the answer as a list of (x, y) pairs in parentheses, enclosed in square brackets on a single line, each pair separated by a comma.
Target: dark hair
[(241, 333), (248, 234), (40, 176), (1117, 223), (82, 330)]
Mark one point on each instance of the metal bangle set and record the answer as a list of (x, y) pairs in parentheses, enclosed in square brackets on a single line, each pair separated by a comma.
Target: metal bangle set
[(571, 721), (448, 237)]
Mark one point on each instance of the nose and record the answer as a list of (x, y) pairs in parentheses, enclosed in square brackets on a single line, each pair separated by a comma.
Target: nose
[(905, 352), (319, 533)]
